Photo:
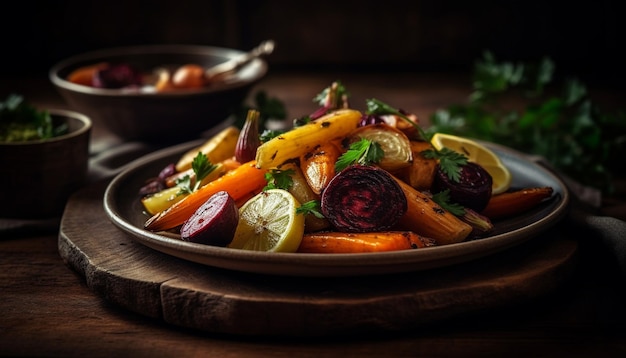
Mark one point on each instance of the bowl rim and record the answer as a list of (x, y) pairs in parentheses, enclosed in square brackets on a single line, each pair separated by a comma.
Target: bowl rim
[(260, 66), (82, 118)]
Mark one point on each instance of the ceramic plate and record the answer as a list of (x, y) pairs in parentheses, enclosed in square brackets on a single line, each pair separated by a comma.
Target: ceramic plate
[(123, 206)]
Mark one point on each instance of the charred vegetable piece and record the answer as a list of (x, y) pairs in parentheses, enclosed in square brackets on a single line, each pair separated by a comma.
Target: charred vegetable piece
[(516, 202), (363, 198), (318, 165), (214, 223), (117, 76), (298, 141), (421, 173), (359, 242), (425, 217), (473, 189)]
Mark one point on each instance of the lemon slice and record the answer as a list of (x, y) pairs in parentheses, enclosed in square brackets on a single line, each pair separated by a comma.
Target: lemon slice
[(269, 222), (478, 154)]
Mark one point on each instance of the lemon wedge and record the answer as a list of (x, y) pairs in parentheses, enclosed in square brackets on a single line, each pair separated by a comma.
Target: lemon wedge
[(478, 154), (269, 222)]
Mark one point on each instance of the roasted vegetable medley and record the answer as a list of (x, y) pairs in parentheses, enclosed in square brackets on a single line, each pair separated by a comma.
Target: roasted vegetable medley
[(339, 181)]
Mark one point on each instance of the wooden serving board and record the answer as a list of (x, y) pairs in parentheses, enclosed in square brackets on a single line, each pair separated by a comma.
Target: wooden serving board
[(196, 296)]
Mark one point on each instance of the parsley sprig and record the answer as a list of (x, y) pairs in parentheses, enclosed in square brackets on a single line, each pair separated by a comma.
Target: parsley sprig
[(442, 198), (202, 167), (279, 179), (311, 207), (283, 179), (379, 108), (450, 161), (363, 151)]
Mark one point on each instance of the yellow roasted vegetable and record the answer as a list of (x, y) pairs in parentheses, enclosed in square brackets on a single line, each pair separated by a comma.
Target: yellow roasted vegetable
[(218, 148), (292, 144)]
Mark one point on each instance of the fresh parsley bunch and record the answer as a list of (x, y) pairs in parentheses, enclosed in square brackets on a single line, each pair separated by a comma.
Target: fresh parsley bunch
[(563, 126)]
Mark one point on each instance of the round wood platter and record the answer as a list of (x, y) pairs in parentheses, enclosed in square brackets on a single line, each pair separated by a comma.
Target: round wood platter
[(186, 294)]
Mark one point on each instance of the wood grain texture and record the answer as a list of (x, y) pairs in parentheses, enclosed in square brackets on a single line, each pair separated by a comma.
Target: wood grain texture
[(195, 296)]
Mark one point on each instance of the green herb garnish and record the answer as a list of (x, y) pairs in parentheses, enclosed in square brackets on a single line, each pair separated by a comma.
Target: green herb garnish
[(279, 179), (268, 134), (363, 152), (201, 167), (379, 108), (21, 121), (311, 207), (449, 160), (333, 97), (442, 198)]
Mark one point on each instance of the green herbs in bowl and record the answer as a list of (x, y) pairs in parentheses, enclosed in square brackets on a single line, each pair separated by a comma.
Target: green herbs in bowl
[(47, 155), (20, 121)]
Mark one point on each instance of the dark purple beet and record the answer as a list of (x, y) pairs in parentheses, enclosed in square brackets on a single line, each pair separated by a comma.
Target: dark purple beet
[(363, 199), (368, 119), (214, 223), (117, 76), (157, 184), (472, 191)]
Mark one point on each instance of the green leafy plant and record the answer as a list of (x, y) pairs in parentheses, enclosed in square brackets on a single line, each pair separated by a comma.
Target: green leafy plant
[(268, 107), (561, 124)]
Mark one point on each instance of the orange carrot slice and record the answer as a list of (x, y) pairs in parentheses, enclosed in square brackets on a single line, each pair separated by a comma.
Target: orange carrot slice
[(239, 183)]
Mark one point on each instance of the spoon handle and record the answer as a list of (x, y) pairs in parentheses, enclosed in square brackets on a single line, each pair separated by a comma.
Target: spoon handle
[(264, 48)]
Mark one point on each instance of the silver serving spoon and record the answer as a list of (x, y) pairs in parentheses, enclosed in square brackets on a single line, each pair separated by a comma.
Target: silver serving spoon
[(231, 66)]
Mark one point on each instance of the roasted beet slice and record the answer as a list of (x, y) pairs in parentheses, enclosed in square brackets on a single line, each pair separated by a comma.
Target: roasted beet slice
[(363, 198), (472, 191), (214, 223)]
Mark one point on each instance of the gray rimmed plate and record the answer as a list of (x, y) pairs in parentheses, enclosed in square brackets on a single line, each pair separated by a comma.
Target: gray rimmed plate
[(123, 206)]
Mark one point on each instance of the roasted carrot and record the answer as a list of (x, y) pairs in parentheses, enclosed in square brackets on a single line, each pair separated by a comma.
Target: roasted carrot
[(84, 75), (334, 242), (515, 202), (421, 173), (318, 165), (427, 218), (222, 168), (238, 183)]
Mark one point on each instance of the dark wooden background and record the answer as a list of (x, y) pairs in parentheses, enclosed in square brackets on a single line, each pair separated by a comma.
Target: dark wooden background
[(585, 39)]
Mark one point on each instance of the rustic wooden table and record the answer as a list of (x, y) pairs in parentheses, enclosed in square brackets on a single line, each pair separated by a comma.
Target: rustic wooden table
[(47, 309)]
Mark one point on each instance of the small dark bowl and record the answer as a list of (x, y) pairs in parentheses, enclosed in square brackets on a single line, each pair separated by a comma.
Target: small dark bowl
[(164, 117), (42, 174)]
